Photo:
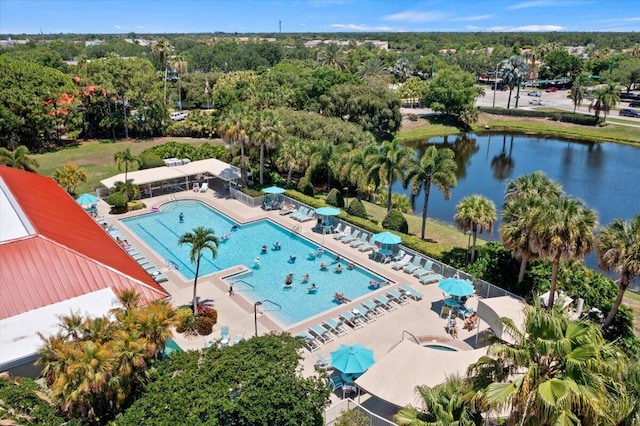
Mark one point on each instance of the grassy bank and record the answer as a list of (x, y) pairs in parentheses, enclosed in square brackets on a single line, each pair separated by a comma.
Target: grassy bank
[(428, 127)]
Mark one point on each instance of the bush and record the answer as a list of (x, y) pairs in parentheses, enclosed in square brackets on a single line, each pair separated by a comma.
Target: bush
[(335, 198), (356, 208), (208, 312), (562, 116), (306, 188), (395, 221), (205, 325), (118, 202), (353, 418), (187, 322), (150, 160), (135, 205)]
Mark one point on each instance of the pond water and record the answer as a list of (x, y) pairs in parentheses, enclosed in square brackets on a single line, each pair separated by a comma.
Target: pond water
[(606, 176)]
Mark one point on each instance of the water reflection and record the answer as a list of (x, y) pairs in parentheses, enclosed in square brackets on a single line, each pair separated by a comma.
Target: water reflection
[(503, 164)]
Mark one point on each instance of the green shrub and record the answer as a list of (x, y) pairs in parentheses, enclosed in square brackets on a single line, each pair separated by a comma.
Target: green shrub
[(356, 208), (205, 325), (352, 418), (150, 160), (335, 198), (562, 116), (189, 325), (208, 150), (118, 202), (306, 188), (395, 221), (135, 205)]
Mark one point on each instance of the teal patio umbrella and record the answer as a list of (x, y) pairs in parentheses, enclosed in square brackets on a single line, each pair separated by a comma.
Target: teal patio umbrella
[(86, 199), (386, 239), (328, 211), (273, 190), (457, 287), (352, 359)]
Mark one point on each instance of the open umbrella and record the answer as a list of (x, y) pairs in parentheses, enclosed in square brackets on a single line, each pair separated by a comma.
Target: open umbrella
[(273, 190), (86, 198), (457, 287), (328, 211), (387, 238), (352, 359)]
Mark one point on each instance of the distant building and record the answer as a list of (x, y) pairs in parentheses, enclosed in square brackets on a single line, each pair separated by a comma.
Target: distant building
[(383, 45)]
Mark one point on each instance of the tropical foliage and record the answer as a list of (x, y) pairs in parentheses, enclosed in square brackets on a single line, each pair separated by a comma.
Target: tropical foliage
[(475, 213), (201, 240), (19, 159), (69, 176)]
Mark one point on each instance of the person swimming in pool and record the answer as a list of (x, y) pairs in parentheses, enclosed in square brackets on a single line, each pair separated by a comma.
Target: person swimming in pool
[(288, 280), (312, 288), (323, 266), (336, 260), (306, 278), (234, 228), (181, 217), (264, 249), (277, 246), (292, 258), (351, 266), (339, 268)]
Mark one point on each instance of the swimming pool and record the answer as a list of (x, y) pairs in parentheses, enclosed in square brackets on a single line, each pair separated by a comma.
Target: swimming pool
[(265, 283)]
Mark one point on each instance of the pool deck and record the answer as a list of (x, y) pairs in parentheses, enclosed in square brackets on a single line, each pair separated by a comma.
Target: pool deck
[(416, 318)]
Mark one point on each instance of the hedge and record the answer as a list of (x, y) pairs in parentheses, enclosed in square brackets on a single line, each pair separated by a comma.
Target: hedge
[(562, 116)]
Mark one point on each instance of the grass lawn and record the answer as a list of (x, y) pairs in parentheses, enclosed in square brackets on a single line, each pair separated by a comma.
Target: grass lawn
[(97, 157), (632, 300)]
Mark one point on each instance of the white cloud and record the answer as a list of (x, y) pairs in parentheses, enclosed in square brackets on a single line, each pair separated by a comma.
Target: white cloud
[(528, 4), (361, 27), (117, 27), (531, 28), (472, 18), (413, 16), (139, 27)]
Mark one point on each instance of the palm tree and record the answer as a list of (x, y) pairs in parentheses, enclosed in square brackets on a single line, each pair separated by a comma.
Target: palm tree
[(352, 169), (436, 166), (129, 189), (579, 89), (333, 56), (475, 213), (292, 156), (154, 322), (402, 69), (372, 67), (606, 98), (523, 197), (562, 229), (19, 159), (551, 370), (70, 176), (512, 72), (618, 249), (200, 239), (163, 47), (442, 405), (127, 158), (180, 65), (326, 156), (389, 163), (234, 129), (266, 132)]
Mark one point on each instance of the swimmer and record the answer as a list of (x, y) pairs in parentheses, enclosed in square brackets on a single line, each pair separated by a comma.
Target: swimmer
[(312, 288), (339, 268), (234, 228), (264, 249), (256, 262), (336, 260), (292, 258), (226, 236), (306, 278), (351, 266), (277, 246), (181, 217), (323, 266), (288, 280)]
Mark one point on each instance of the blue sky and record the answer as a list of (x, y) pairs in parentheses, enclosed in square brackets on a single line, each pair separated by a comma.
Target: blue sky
[(193, 16)]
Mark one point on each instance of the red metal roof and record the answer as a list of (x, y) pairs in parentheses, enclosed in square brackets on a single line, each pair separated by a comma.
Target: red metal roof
[(70, 254)]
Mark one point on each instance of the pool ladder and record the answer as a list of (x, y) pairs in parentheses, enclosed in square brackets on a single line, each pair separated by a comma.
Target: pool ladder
[(296, 228)]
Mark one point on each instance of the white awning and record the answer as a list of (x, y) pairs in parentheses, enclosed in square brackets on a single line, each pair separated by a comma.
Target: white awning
[(394, 377), (491, 310)]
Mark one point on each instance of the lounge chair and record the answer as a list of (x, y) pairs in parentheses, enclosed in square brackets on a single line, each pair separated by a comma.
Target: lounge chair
[(204, 187), (369, 245), (373, 308), (224, 336), (152, 270), (239, 338), (354, 236), (361, 241), (426, 269), (402, 263), (335, 326), (335, 382), (399, 255), (301, 212), (320, 333), (307, 216), (353, 320), (414, 266), (385, 302), (398, 297), (367, 313), (150, 267), (411, 292), (430, 278), (309, 341), (337, 229), (343, 234), (160, 278), (287, 209), (322, 363)]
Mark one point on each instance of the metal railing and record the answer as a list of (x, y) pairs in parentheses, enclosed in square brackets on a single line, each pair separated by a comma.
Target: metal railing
[(333, 413)]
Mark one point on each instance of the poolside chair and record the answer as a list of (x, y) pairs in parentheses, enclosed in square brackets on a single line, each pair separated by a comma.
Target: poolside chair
[(430, 279), (335, 326), (322, 363), (385, 302), (160, 278), (414, 266), (310, 342), (411, 292), (150, 267), (224, 336), (361, 241), (399, 255), (152, 270), (426, 269), (335, 382), (320, 333), (353, 320), (308, 216), (204, 187), (337, 229), (373, 308), (369, 245), (301, 212), (367, 313), (402, 263), (239, 338), (354, 236), (398, 297), (343, 234), (287, 209)]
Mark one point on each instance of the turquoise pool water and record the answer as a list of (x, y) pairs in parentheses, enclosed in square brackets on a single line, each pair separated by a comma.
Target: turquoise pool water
[(265, 283), (170, 346), (440, 347)]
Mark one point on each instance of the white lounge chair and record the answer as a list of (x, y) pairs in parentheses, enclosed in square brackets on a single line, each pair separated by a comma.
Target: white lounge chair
[(430, 279), (309, 341), (398, 297), (411, 292), (354, 236), (204, 187), (414, 266), (385, 302), (426, 269), (361, 241), (320, 333), (355, 321), (343, 234), (335, 326), (402, 263)]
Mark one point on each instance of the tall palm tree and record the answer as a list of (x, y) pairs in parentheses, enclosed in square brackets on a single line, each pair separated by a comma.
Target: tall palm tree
[(234, 129), (523, 197), (352, 169), (181, 66), (127, 158), (19, 159), (436, 166), (201, 239), (606, 98), (266, 132), (562, 229), (475, 213), (163, 48), (551, 370), (618, 249), (579, 89), (512, 72), (326, 156), (389, 163), (291, 156), (442, 405), (333, 56)]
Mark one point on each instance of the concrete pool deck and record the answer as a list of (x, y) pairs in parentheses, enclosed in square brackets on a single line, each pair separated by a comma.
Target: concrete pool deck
[(415, 318)]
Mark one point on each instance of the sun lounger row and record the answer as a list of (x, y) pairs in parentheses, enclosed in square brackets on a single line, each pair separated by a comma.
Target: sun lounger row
[(303, 215), (323, 333)]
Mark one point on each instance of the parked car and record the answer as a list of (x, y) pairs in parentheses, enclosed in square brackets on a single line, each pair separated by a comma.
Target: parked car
[(551, 89), (629, 112), (634, 104), (179, 115), (535, 93), (538, 102)]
